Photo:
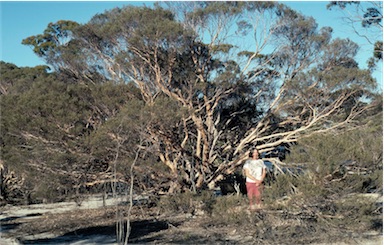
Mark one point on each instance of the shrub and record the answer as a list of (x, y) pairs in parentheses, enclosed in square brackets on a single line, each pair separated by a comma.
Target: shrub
[(230, 209), (187, 202)]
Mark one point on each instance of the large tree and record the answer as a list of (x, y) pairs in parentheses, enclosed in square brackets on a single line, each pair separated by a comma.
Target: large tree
[(239, 75)]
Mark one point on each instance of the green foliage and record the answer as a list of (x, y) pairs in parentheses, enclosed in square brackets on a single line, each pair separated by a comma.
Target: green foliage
[(327, 152), (46, 191), (378, 50), (370, 15), (222, 210), (286, 186), (50, 128), (184, 202), (230, 209), (327, 181), (356, 207), (55, 45), (225, 48), (127, 35), (55, 35), (377, 55), (328, 186), (10, 73)]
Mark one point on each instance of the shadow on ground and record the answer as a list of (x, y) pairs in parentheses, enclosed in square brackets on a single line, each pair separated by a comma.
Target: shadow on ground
[(102, 234), (7, 224)]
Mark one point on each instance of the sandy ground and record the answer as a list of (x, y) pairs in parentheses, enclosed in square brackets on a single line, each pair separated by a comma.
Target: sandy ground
[(26, 213), (30, 211)]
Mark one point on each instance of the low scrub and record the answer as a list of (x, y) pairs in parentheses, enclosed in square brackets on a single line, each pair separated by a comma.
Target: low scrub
[(187, 202)]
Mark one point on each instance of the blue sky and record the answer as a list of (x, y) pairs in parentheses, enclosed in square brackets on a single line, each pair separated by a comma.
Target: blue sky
[(20, 20)]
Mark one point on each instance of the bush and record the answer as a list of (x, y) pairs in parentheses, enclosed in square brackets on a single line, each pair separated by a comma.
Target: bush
[(326, 153), (287, 185), (187, 202), (222, 210), (230, 209), (357, 211)]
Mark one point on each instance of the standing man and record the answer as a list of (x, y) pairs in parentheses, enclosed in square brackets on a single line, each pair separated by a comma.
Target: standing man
[(254, 171)]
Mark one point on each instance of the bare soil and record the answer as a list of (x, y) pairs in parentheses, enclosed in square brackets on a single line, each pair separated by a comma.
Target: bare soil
[(91, 223)]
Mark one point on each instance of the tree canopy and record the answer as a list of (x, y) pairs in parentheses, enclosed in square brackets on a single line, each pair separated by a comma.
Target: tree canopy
[(368, 15)]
